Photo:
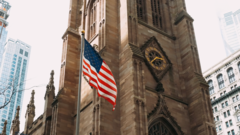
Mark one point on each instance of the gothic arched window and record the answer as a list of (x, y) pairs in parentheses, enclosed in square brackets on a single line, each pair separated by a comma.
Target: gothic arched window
[(211, 88), (92, 19), (220, 81), (159, 129), (157, 13), (231, 75), (141, 10)]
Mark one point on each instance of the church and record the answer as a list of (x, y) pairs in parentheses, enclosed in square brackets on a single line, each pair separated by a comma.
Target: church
[(150, 47)]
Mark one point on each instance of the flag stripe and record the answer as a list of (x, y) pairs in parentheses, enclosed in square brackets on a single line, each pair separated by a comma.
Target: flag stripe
[(94, 77), (99, 74)]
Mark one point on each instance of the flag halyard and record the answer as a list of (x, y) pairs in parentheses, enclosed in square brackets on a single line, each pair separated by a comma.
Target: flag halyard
[(99, 74)]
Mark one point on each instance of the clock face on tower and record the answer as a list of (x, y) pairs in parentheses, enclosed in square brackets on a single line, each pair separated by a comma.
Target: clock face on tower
[(155, 58)]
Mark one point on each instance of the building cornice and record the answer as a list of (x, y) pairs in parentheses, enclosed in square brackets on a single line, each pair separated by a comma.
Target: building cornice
[(222, 63), (225, 96)]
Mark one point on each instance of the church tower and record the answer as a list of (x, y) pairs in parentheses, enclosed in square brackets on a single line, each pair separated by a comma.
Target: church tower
[(151, 50)]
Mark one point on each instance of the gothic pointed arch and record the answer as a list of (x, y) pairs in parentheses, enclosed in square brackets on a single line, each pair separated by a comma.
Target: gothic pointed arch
[(161, 122)]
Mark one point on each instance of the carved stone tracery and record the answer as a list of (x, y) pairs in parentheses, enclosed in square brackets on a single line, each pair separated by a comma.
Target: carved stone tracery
[(161, 118)]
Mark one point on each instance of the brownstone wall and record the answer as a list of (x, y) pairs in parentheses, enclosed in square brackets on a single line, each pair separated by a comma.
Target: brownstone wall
[(184, 103)]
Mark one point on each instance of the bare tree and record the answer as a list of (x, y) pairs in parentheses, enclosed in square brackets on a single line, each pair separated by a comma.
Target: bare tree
[(8, 90)]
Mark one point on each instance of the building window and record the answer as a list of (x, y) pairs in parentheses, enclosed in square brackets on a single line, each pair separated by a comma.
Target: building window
[(229, 133), (220, 81), (92, 19), (211, 88), (223, 105), (214, 98), (235, 86), (233, 133), (225, 115), (238, 118), (227, 125), (26, 54), (233, 99), (221, 94), (159, 128), (21, 51), (141, 10), (219, 127), (224, 92), (230, 75), (230, 122), (237, 97), (239, 66), (211, 99), (217, 118), (157, 13), (228, 112), (226, 103), (235, 107), (239, 106), (215, 109)]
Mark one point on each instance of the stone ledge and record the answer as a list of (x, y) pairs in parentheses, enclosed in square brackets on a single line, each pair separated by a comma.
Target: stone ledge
[(181, 15), (71, 31), (165, 95)]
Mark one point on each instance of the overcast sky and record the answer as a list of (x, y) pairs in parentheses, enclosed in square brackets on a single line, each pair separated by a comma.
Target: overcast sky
[(41, 24)]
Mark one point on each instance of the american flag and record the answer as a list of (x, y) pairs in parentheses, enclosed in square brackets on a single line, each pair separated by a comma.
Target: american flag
[(99, 75)]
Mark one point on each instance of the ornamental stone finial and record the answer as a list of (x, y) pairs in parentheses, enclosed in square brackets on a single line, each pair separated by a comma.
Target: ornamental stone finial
[(17, 114), (51, 82)]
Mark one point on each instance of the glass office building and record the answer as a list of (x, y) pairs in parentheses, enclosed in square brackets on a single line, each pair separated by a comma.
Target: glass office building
[(12, 78), (4, 14), (230, 30)]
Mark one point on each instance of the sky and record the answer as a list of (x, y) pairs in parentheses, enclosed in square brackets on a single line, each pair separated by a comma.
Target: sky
[(41, 24)]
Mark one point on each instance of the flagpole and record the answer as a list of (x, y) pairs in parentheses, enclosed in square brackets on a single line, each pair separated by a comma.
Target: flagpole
[(79, 83)]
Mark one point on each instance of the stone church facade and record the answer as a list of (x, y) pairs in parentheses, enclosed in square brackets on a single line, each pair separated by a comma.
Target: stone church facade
[(151, 49)]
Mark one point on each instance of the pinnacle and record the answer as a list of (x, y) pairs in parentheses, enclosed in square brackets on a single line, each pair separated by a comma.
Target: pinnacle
[(51, 82), (17, 114), (4, 128), (32, 97)]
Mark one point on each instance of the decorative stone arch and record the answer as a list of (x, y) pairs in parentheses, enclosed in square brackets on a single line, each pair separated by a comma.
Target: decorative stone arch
[(161, 122)]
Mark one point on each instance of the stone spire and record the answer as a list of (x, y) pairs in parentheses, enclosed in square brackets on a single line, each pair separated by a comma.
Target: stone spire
[(15, 123), (30, 113), (50, 86), (4, 131), (49, 97), (51, 81)]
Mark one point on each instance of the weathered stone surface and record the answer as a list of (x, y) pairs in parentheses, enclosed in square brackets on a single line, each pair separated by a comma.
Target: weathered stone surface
[(180, 104)]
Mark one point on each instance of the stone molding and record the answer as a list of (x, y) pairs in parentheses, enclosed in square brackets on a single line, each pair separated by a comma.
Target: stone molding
[(181, 15), (161, 111)]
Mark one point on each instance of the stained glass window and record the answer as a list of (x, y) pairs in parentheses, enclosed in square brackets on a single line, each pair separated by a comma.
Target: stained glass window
[(159, 129)]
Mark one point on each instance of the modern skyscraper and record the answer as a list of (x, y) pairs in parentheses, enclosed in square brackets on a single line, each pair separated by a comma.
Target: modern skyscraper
[(13, 73), (230, 30), (4, 14)]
